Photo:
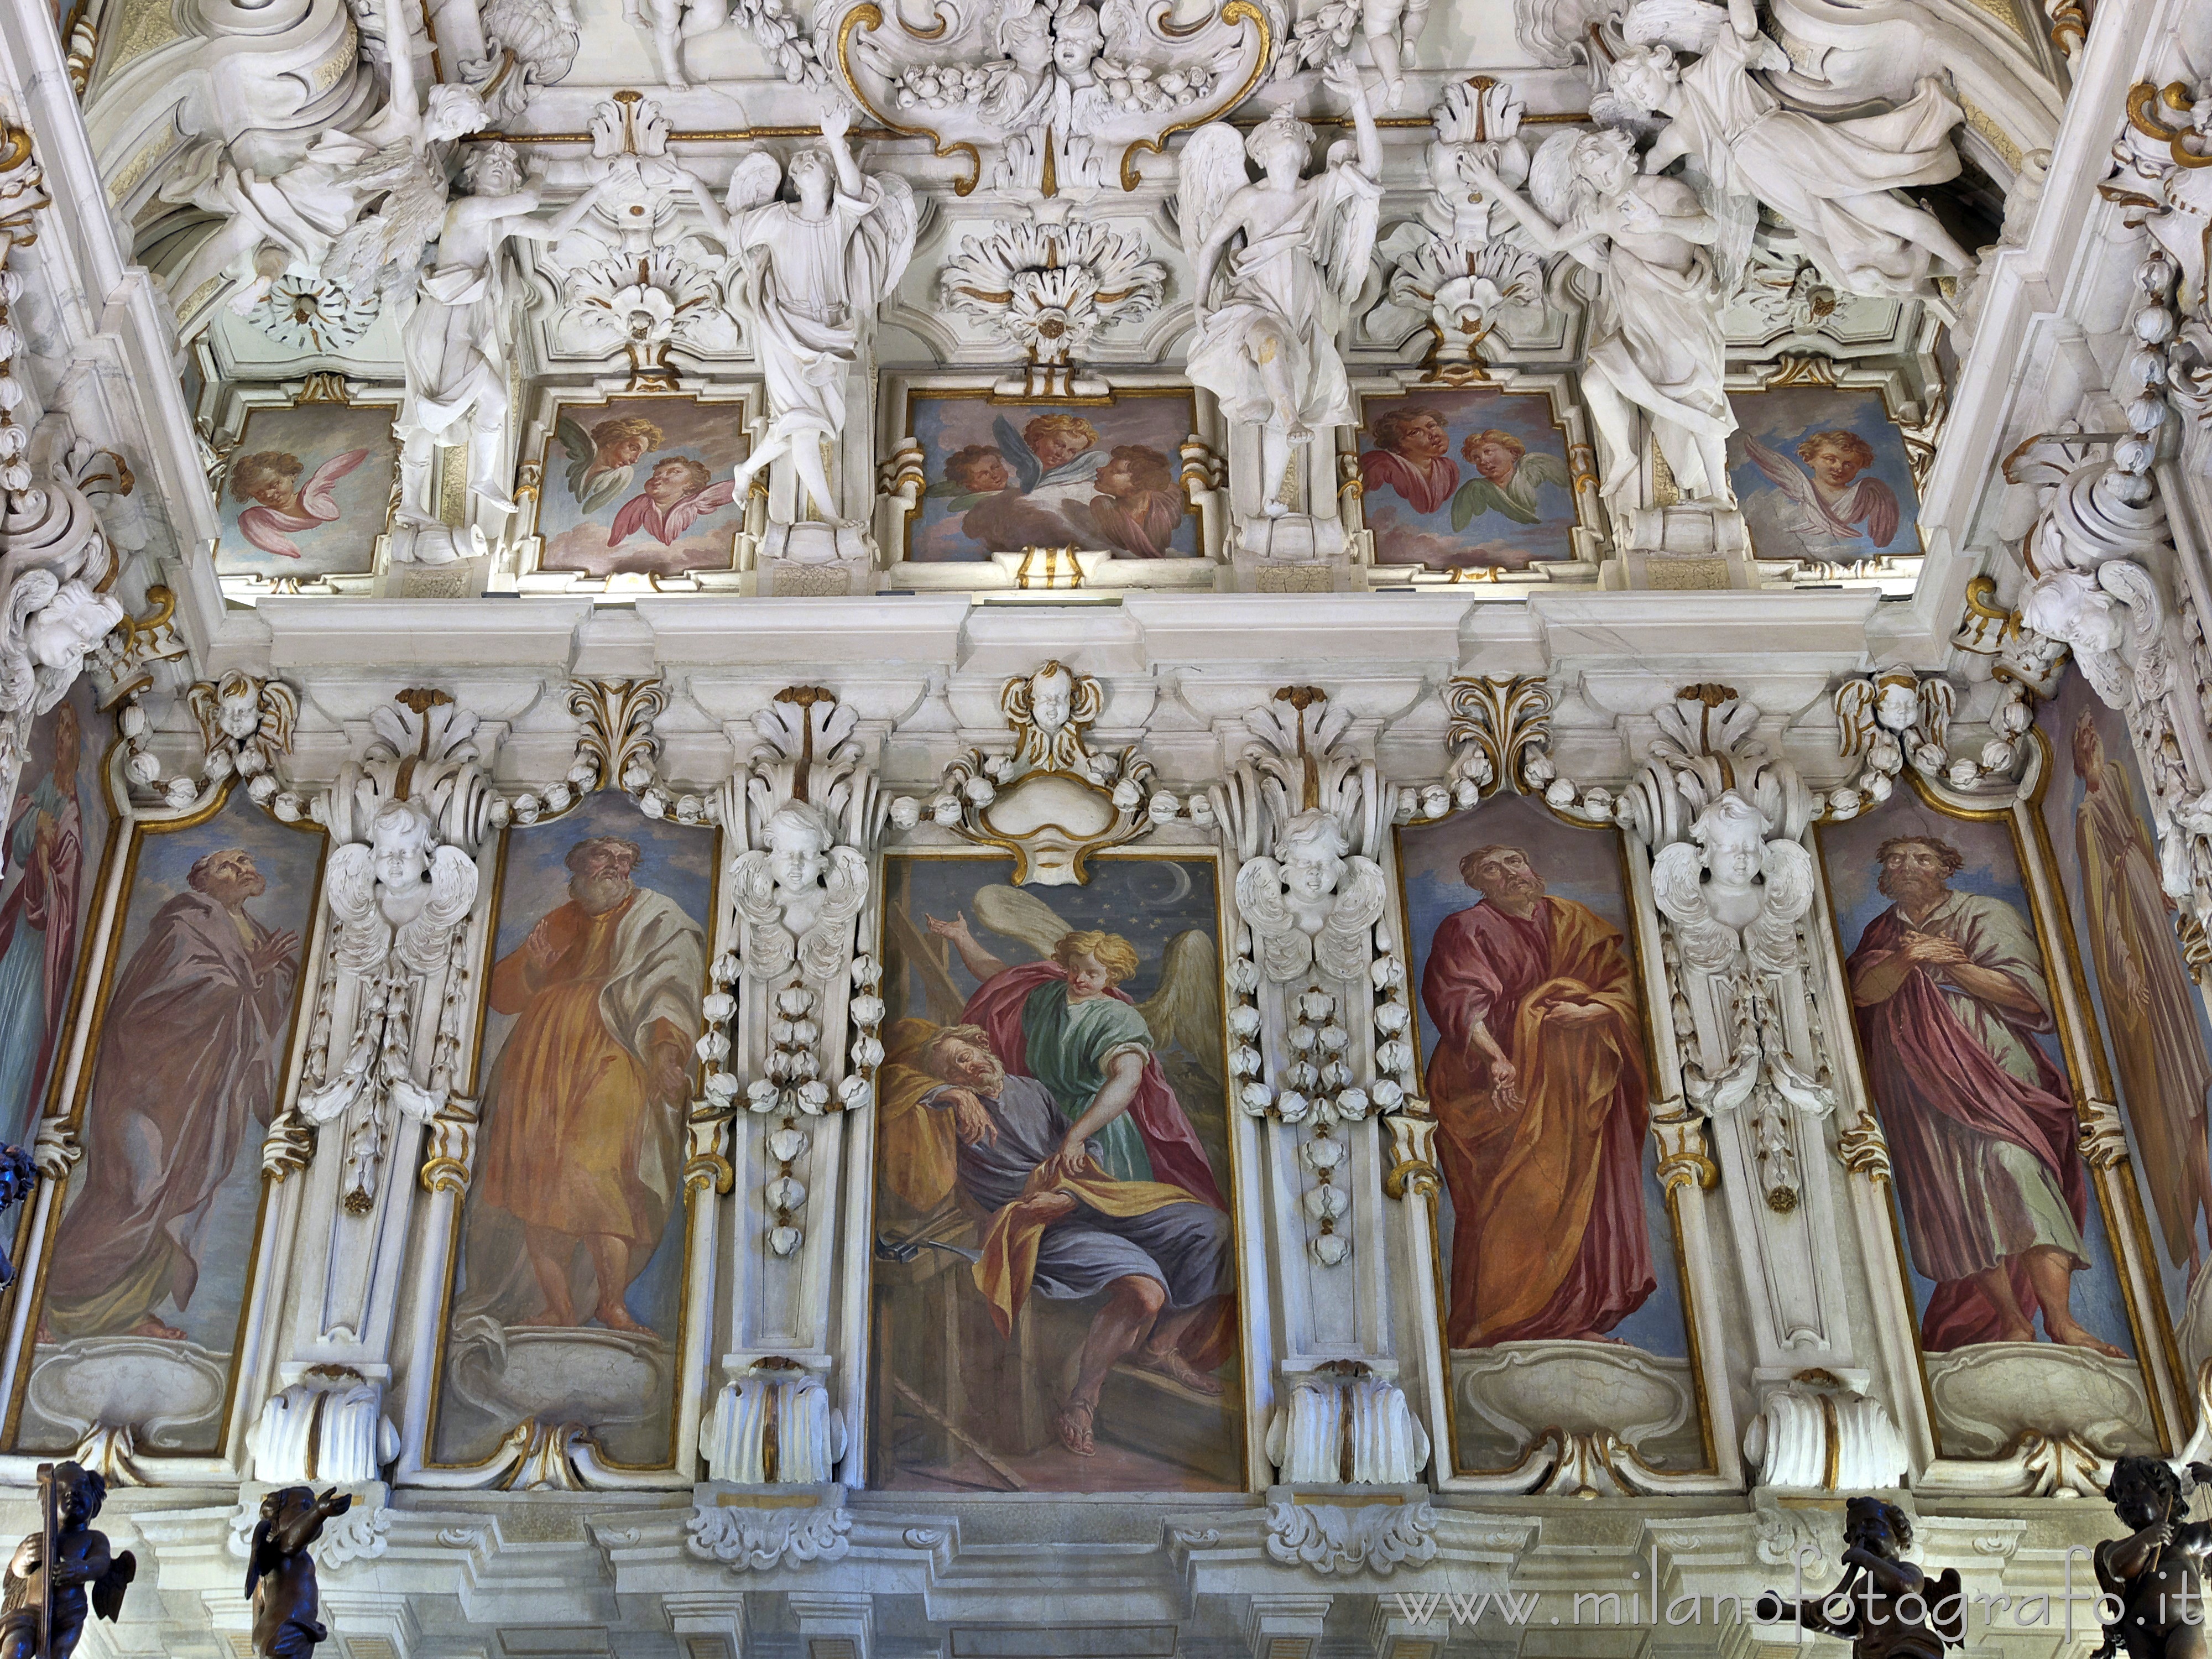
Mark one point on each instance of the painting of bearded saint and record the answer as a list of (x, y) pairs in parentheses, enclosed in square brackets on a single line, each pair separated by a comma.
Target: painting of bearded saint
[(1554, 1231), (151, 1254), (567, 1295), (2152, 1017), (1055, 1265), (1956, 1023)]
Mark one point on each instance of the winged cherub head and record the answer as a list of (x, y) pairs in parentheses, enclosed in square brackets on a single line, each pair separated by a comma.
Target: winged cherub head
[(1732, 832), (1311, 850), (799, 837), (400, 838)]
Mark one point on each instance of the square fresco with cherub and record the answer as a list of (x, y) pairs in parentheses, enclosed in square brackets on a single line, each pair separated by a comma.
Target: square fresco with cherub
[(1476, 479), (1821, 474), (641, 486), (306, 491), (1007, 475)]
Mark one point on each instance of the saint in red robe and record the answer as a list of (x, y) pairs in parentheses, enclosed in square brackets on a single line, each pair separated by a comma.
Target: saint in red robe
[(1981, 1132), (1548, 1236)]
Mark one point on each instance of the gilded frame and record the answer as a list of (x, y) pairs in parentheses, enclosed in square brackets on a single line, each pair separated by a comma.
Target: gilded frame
[(118, 869), (678, 1467), (1591, 534), (898, 514)]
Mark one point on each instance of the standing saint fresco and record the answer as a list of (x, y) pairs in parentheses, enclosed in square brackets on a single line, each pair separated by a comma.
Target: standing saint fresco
[(2149, 1007), (1950, 991), (1538, 1085), (39, 909), (191, 1055), (584, 1116)]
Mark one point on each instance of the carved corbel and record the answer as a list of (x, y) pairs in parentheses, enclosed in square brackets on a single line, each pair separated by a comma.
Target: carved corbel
[(773, 1425), (1733, 882), (1342, 1424), (1820, 1433), (1312, 994), (328, 1426), (1051, 800)]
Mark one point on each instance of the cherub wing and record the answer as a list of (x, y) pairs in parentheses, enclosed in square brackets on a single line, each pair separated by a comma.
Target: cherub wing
[(107, 1588), (1855, 705), (1016, 448), (769, 952), (1938, 700), (822, 952), (1185, 1012), (1284, 950), (1351, 208), (1344, 945), (315, 493), (350, 883), (1540, 468), (753, 181), (1212, 170), (692, 508), (423, 942), (574, 441), (1476, 497), (1678, 888), (1013, 913), (1771, 939), (878, 255)]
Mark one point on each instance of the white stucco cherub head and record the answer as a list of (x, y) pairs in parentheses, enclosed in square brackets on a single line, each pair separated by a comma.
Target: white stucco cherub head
[(1733, 833), (60, 633), (1052, 699), (797, 837), (1897, 700), (1311, 850), (400, 840)]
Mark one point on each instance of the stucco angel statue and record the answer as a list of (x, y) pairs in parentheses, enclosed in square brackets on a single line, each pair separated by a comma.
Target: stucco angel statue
[(1269, 314), (1656, 340), (1835, 182), (1314, 904), (285, 210), (814, 272), (799, 895)]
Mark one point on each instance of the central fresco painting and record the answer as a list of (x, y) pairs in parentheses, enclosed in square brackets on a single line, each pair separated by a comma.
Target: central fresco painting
[(1055, 1263)]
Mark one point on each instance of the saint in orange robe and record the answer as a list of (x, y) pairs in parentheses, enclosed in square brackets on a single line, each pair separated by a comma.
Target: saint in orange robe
[(1548, 1236), (574, 1139)]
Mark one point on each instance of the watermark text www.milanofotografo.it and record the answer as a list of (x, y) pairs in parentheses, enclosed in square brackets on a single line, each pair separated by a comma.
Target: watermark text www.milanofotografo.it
[(2078, 1606)]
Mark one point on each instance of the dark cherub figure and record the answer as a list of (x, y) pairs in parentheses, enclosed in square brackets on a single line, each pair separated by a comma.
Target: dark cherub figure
[(1877, 1579), (83, 1573), (280, 1574), (2157, 1573)]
